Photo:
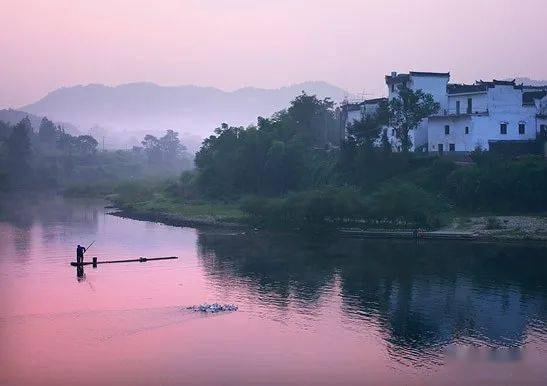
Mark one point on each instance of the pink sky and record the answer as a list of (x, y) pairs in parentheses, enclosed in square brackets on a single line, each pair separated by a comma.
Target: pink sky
[(231, 44)]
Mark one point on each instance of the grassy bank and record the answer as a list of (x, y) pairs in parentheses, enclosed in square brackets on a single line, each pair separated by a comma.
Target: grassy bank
[(181, 211)]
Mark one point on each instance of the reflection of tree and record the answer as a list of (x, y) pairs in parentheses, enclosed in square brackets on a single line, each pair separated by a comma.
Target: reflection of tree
[(275, 264), (23, 210), (423, 296)]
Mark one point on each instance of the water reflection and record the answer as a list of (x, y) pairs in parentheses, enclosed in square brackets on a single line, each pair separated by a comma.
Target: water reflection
[(80, 274), (423, 297)]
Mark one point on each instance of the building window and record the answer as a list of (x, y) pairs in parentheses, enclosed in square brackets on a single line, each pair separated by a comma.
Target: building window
[(441, 148), (469, 105), (466, 129), (458, 107), (503, 128), (522, 128), (393, 87), (452, 146), (393, 132), (446, 130)]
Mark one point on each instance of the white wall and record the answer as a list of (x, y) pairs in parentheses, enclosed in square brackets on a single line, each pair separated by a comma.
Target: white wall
[(479, 102), (434, 85)]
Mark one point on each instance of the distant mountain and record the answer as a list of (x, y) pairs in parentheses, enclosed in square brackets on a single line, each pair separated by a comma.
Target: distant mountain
[(14, 116), (147, 107)]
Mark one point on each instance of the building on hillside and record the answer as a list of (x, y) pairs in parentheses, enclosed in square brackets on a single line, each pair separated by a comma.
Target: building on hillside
[(470, 116), (356, 111), (433, 83), (483, 113)]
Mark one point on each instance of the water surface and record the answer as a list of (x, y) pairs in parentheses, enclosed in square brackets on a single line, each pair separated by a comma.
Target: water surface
[(324, 311)]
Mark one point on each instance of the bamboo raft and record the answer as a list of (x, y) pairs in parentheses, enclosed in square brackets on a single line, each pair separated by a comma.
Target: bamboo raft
[(94, 262)]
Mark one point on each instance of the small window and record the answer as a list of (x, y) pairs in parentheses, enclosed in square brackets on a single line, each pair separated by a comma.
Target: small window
[(441, 148), (503, 128), (393, 87), (446, 130), (452, 146), (466, 129), (393, 132), (522, 128), (457, 107), (469, 105)]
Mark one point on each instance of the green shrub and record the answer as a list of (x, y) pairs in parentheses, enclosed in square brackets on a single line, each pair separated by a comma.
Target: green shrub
[(400, 203)]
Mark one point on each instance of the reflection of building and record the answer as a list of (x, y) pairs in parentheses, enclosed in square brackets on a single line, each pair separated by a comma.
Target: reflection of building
[(470, 116)]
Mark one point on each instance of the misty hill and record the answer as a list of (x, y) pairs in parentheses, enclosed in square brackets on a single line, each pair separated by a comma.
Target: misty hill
[(147, 107), (14, 116)]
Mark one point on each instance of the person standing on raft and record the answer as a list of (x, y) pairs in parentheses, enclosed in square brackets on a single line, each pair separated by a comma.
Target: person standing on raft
[(80, 254)]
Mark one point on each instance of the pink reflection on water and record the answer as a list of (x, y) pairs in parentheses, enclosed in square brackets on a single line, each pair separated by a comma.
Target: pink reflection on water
[(126, 323)]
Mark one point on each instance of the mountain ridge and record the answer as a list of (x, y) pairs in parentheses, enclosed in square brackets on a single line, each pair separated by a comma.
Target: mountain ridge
[(130, 109)]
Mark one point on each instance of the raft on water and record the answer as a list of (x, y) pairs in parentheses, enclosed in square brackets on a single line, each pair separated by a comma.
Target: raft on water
[(140, 260)]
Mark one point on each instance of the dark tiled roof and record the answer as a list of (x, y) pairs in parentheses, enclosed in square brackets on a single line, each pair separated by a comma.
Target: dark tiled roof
[(375, 100), (464, 88), (436, 74), (399, 78), (529, 96), (534, 88), (496, 82)]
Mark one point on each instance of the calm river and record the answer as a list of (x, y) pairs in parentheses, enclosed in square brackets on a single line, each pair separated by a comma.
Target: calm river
[(340, 311)]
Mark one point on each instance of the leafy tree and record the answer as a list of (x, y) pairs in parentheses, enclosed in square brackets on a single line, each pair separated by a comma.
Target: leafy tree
[(86, 145), (151, 145), (407, 111), (171, 146), (47, 132), (19, 152), (312, 117), (366, 131), (5, 130)]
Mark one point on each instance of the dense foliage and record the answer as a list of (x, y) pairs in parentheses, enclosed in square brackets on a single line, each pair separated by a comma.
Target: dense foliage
[(51, 158)]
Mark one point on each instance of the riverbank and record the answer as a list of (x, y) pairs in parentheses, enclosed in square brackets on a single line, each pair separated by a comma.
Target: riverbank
[(181, 213), (211, 214)]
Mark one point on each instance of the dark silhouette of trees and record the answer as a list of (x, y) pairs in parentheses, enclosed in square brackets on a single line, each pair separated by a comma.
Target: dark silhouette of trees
[(19, 153)]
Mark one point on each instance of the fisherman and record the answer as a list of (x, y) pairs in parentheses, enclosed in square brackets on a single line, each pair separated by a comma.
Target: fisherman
[(80, 254)]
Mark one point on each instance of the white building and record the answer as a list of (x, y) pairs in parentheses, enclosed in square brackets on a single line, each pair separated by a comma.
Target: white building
[(433, 83), (485, 112), (470, 116)]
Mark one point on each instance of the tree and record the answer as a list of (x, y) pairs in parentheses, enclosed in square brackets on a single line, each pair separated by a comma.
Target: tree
[(19, 152), (5, 130), (47, 132), (171, 146), (407, 111), (366, 131), (312, 118), (86, 144), (151, 145)]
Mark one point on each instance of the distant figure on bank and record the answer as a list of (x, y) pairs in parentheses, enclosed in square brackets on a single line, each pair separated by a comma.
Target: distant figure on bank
[(80, 254)]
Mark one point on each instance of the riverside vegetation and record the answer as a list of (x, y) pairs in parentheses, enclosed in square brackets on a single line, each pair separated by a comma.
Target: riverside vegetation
[(282, 173)]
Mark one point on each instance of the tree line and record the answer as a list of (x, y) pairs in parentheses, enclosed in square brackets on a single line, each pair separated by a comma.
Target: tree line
[(280, 174), (52, 158)]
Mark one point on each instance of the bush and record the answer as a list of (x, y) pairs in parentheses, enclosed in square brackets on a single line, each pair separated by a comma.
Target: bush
[(516, 185), (400, 203), (312, 208)]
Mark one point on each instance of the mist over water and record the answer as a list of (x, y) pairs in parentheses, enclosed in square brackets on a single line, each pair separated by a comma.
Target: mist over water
[(311, 310)]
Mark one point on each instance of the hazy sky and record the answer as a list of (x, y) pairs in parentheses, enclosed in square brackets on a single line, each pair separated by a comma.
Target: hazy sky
[(46, 44)]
